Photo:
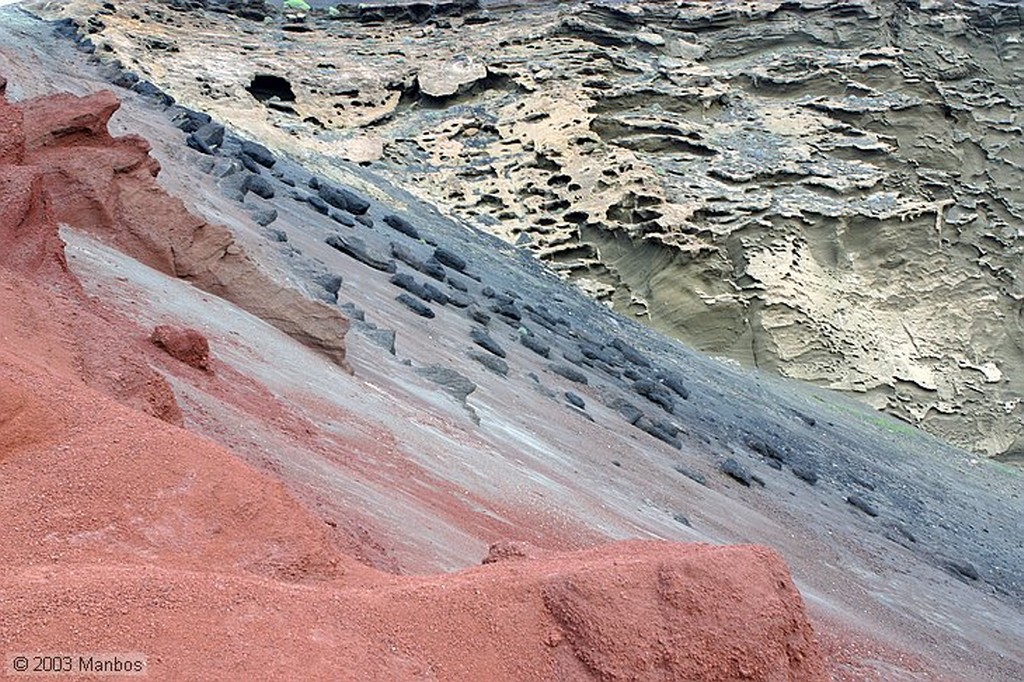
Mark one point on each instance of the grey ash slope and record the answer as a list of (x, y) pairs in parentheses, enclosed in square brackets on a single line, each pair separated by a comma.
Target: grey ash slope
[(804, 447)]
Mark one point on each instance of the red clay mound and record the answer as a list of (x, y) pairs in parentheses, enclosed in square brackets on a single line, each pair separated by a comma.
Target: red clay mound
[(626, 611), (701, 612), (184, 344)]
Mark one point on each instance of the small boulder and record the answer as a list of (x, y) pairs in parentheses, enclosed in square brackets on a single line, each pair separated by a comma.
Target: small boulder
[(263, 216), (656, 393), (184, 344), (452, 260), (494, 364), (451, 381), (260, 186), (258, 153), (207, 139), (415, 305), (186, 119), (631, 354), (736, 471), (399, 224), (485, 341), (862, 504), (535, 344), (342, 198), (568, 372)]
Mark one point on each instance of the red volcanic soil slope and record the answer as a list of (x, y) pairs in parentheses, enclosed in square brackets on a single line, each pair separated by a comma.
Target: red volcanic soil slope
[(124, 532)]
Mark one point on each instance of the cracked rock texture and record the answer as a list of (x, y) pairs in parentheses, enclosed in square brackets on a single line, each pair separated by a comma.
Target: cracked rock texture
[(832, 190)]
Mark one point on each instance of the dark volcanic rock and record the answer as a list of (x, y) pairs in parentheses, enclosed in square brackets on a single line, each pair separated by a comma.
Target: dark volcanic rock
[(766, 449), (737, 471), (633, 374), (658, 430), (331, 285), (507, 309), (207, 139), (456, 283), (263, 216), (656, 393), (452, 260), (675, 382), (484, 340), (258, 153), (494, 364), (342, 218), (451, 381), (152, 92), (568, 372), (574, 356), (260, 186), (459, 299), (433, 268), (385, 338), (962, 569), (339, 197), (535, 344), (235, 186), (318, 204), (406, 255), (355, 248), (249, 164), (631, 354), (409, 283), (575, 400), (805, 473), (435, 294), (188, 120), (479, 316), (415, 305), (628, 410), (399, 224), (694, 476), (862, 504), (353, 311)]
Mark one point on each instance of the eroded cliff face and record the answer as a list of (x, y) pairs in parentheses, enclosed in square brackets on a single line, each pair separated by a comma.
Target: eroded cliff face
[(828, 189)]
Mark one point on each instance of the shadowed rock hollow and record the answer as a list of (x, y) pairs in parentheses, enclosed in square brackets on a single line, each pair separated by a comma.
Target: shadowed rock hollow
[(827, 190)]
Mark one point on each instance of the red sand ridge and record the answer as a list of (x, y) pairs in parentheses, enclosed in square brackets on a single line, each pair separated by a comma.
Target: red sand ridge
[(126, 533)]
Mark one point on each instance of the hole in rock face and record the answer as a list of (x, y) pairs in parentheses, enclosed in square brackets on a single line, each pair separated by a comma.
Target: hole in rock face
[(264, 87)]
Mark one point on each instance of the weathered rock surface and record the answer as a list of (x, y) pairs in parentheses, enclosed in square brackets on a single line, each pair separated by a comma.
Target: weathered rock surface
[(829, 190), (107, 186)]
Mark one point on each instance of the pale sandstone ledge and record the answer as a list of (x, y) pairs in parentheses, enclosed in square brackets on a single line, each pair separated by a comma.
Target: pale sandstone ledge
[(831, 191)]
